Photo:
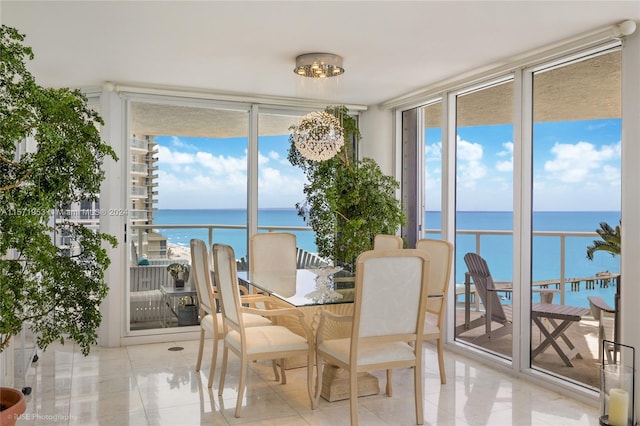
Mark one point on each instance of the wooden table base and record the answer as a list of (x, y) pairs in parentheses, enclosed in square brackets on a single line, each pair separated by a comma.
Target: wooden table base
[(335, 384)]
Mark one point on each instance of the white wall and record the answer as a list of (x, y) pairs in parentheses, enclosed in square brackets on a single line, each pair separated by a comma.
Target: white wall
[(112, 199), (630, 250), (376, 127)]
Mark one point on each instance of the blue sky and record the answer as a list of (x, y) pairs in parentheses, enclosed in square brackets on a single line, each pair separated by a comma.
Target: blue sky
[(576, 167), (201, 173)]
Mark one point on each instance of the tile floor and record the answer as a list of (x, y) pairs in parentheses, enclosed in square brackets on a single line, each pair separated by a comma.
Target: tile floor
[(151, 385)]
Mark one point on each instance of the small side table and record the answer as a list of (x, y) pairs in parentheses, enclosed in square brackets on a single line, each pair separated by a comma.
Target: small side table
[(171, 298)]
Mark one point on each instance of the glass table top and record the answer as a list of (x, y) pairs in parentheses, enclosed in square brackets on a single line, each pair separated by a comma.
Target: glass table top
[(304, 288)]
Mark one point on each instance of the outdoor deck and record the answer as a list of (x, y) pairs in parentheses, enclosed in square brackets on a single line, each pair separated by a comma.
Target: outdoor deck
[(583, 334)]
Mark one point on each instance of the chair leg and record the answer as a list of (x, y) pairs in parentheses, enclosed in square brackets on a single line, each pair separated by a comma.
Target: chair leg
[(223, 372), (214, 358), (417, 390), (353, 394), (282, 373), (200, 350), (443, 378), (274, 364), (241, 385), (310, 377), (318, 389), (389, 383)]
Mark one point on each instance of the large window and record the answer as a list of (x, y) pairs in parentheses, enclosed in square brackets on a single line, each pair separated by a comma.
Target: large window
[(484, 212), (280, 184), (576, 186), (188, 179), (537, 173), (432, 133)]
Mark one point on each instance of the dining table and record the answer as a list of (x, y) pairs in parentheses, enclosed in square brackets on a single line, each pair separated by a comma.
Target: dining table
[(313, 290)]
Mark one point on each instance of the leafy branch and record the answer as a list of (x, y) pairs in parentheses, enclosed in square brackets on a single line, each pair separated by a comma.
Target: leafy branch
[(58, 295), (610, 240)]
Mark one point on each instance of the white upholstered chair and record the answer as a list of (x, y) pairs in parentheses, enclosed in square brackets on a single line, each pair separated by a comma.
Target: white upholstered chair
[(272, 251), (385, 241), (254, 343), (387, 322), (441, 255), (210, 321)]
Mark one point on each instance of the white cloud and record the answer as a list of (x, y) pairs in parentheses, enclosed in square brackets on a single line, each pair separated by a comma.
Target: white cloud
[(204, 180), (470, 167), (172, 158), (576, 163), (506, 165), (273, 155), (433, 152), (179, 143), (221, 165)]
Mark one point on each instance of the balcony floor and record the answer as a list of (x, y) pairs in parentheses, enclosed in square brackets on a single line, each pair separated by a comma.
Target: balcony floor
[(583, 335)]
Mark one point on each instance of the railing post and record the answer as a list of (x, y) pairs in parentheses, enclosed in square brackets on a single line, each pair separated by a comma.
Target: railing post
[(562, 269)]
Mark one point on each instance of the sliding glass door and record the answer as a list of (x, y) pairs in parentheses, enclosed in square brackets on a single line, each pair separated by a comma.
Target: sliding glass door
[(576, 187), (187, 179), (484, 215)]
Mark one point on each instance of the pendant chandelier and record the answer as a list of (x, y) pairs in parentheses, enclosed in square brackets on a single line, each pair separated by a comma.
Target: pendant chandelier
[(319, 136)]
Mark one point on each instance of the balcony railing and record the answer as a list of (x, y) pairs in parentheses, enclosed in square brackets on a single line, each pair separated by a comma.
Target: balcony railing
[(140, 144), (559, 281)]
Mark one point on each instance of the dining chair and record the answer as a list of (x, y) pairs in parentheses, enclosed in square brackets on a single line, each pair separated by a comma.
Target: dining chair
[(441, 255), (272, 251), (386, 241), (271, 342), (210, 320), (386, 326)]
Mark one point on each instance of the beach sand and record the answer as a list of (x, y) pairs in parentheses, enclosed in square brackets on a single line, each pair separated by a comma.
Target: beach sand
[(178, 252)]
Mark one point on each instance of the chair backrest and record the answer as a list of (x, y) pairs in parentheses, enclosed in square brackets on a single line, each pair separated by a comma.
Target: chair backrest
[(479, 272), (272, 251), (441, 255), (201, 276), (224, 265), (390, 294), (385, 241)]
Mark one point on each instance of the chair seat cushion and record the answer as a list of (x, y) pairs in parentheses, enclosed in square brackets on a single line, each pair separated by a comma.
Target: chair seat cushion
[(251, 320), (272, 338), (368, 353)]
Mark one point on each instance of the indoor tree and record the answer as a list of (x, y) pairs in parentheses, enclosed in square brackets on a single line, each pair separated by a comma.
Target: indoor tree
[(55, 291), (347, 201)]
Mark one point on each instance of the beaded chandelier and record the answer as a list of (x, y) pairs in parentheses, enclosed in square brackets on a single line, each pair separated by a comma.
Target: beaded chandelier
[(319, 136)]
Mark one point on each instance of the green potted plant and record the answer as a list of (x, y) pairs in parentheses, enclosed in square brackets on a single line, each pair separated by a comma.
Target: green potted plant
[(347, 201), (180, 274), (55, 291)]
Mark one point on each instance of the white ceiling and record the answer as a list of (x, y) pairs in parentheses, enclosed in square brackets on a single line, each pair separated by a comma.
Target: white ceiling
[(390, 48)]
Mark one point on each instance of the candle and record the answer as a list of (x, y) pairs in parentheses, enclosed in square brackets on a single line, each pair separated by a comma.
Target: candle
[(618, 407)]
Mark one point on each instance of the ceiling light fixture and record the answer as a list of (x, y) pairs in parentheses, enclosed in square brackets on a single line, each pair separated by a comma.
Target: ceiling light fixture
[(318, 65), (319, 136)]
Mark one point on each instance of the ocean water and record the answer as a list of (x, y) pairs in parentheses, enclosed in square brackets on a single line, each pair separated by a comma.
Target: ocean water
[(497, 250)]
